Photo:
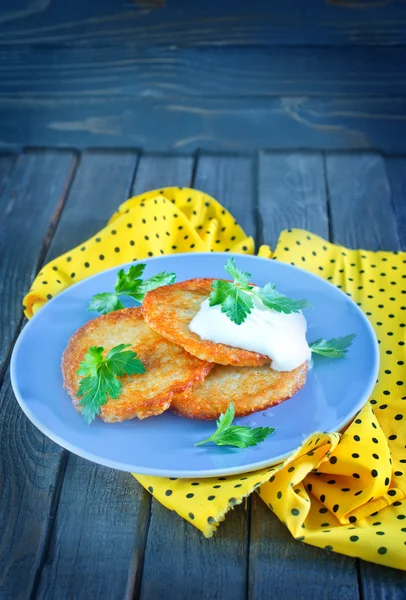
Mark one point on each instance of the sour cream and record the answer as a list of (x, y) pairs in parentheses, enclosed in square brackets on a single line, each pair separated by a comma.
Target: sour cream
[(279, 336)]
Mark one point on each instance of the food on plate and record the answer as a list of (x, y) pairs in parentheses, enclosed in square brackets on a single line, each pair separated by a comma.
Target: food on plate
[(249, 389), (169, 310), (168, 368), (206, 348), (241, 436), (128, 284)]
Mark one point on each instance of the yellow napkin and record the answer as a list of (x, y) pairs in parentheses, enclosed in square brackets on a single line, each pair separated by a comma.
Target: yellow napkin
[(342, 492)]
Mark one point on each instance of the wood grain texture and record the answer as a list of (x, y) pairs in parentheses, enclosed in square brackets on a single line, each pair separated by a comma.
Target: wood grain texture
[(216, 72), (91, 530), (33, 198), (179, 562), (7, 162), (360, 199), (213, 23), (363, 216), (230, 180), (102, 182), (31, 203), (292, 193), (396, 170), (237, 124), (29, 465)]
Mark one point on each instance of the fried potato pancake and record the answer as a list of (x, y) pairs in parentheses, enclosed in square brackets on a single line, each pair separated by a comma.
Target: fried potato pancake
[(169, 310), (249, 388), (169, 368)]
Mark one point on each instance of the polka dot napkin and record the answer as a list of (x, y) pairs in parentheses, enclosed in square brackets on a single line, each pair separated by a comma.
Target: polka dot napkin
[(344, 492)]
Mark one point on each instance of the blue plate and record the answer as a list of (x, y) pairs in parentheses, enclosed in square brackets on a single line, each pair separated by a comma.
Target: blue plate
[(335, 389)]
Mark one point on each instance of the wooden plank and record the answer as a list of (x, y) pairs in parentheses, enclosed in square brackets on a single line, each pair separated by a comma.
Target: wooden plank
[(29, 462), (292, 194), (31, 201), (204, 72), (215, 22), (103, 514), (363, 216), (230, 181), (177, 557), (96, 504), (361, 210), (7, 162), (237, 124), (396, 169)]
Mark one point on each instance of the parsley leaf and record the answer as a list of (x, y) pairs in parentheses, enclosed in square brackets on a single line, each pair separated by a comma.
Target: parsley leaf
[(100, 377), (236, 435), (105, 303), (236, 298), (129, 284), (334, 348), (277, 301), (240, 277)]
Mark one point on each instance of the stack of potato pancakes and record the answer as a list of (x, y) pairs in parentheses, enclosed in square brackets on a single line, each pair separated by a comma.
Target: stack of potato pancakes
[(193, 377)]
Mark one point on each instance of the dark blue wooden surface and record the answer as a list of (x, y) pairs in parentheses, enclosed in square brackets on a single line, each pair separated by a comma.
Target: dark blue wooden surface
[(79, 530), (217, 75)]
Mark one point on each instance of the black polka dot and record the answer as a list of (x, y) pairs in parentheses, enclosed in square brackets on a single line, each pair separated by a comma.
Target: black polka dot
[(295, 512), (49, 296), (116, 249), (355, 455), (211, 497), (168, 493), (245, 248), (98, 239), (392, 493), (291, 469), (73, 275), (232, 501), (356, 438), (195, 483), (150, 254), (69, 258), (113, 232), (322, 498), (191, 516), (374, 473), (87, 265), (279, 495), (150, 489), (355, 475), (398, 417), (375, 441), (211, 520), (354, 538), (335, 508), (382, 550), (352, 519)]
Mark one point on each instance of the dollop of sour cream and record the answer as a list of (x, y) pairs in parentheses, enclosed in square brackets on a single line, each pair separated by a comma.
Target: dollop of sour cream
[(277, 335)]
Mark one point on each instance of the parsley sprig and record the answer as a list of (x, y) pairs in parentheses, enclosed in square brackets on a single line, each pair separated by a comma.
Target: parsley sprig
[(236, 435), (100, 377), (236, 298), (334, 348), (129, 284)]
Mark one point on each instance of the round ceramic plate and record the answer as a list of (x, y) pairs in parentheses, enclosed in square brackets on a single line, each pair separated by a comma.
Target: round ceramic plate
[(335, 389)]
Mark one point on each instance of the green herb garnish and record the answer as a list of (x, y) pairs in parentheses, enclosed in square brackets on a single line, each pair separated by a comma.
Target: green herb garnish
[(236, 435), (334, 348), (100, 377), (129, 284), (236, 298)]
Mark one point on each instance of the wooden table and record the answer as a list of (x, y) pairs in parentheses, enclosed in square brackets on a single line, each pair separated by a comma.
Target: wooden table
[(72, 529)]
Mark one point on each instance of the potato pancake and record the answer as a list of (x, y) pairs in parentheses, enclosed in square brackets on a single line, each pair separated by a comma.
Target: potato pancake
[(169, 368)]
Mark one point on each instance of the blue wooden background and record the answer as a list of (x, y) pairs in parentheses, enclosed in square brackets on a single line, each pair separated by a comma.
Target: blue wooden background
[(176, 75)]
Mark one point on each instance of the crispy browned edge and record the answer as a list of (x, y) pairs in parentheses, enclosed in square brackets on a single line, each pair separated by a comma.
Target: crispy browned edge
[(73, 354), (187, 400), (162, 322)]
